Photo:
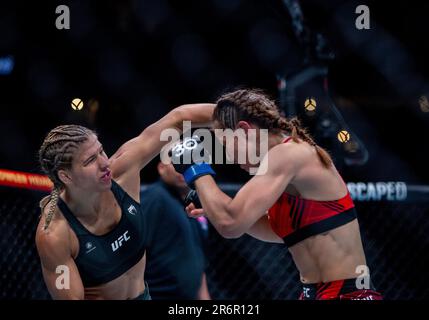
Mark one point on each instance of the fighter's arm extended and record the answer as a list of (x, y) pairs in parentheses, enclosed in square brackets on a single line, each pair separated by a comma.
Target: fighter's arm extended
[(137, 152)]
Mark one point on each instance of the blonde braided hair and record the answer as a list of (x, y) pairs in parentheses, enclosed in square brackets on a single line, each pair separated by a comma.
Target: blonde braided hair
[(57, 153)]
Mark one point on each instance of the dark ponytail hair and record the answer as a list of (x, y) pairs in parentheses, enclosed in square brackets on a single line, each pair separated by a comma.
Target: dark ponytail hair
[(256, 107)]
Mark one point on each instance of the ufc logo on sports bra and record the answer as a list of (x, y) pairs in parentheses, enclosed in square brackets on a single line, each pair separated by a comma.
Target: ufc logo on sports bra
[(306, 294), (118, 243)]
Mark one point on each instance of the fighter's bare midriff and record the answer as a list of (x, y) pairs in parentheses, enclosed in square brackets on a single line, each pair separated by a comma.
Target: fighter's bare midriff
[(334, 255), (127, 286)]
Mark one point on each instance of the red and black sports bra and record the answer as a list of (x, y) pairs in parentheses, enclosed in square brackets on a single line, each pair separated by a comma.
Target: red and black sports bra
[(295, 219)]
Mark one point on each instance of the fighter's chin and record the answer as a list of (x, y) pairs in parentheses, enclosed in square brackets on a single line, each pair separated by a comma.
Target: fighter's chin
[(105, 185)]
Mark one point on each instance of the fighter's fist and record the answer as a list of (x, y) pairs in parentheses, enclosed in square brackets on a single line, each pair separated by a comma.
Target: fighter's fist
[(191, 159)]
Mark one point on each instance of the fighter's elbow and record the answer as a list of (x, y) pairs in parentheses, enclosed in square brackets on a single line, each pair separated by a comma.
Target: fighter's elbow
[(175, 117), (230, 229)]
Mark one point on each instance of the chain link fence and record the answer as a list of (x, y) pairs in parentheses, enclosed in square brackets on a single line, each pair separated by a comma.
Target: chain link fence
[(21, 276), (394, 234), (395, 241)]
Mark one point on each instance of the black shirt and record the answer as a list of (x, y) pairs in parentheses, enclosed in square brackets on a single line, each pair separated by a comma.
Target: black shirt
[(175, 254)]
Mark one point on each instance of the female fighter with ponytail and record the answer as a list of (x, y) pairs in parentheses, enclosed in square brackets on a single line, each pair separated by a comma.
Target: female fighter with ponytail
[(300, 199)]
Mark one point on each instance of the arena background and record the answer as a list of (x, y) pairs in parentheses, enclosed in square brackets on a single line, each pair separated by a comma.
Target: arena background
[(131, 62)]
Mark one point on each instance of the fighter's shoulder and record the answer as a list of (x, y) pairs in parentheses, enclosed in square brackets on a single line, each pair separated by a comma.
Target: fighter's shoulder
[(292, 153), (55, 236)]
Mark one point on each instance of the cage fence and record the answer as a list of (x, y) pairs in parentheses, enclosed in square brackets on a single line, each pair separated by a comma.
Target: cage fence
[(394, 235)]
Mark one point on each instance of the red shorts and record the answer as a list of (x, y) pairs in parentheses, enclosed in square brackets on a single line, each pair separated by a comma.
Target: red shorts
[(338, 290)]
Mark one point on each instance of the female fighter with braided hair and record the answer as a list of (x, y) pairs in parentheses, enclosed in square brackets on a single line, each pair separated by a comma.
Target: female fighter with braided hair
[(300, 200), (91, 235)]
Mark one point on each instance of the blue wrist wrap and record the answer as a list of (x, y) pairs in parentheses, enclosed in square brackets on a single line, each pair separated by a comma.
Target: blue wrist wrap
[(197, 170)]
